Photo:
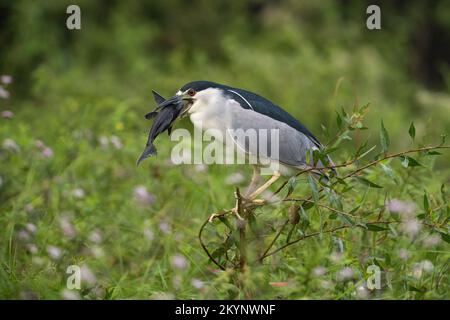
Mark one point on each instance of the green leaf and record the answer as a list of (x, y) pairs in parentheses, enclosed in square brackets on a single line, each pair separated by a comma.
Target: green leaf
[(445, 237), (426, 203), (433, 153), (368, 182), (376, 228), (388, 170), (412, 288), (409, 162), (307, 205), (360, 156), (226, 222), (384, 137), (289, 236), (304, 220), (444, 193), (346, 219), (330, 150), (338, 120), (355, 209), (412, 131), (291, 185), (443, 138), (313, 186)]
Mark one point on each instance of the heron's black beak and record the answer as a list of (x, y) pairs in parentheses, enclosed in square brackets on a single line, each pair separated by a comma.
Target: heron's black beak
[(182, 101)]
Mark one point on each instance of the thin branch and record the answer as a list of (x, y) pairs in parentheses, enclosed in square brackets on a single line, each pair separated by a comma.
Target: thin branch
[(275, 238), (350, 162), (323, 206), (203, 244), (375, 162), (345, 226)]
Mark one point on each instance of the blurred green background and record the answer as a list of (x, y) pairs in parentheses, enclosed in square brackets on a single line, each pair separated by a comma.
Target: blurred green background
[(70, 192)]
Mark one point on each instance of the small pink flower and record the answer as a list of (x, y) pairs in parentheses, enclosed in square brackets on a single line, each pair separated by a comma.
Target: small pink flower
[(400, 206), (104, 142), (11, 145), (115, 141), (362, 292), (47, 152), (31, 228), (345, 274), (319, 271), (6, 79), (67, 228), (143, 196), (235, 178), (67, 294), (4, 94), (54, 252), (7, 114), (411, 227), (39, 144), (32, 248), (419, 268), (403, 254), (148, 234), (23, 235), (87, 275), (197, 283), (164, 227), (432, 241), (96, 237), (179, 262), (78, 193)]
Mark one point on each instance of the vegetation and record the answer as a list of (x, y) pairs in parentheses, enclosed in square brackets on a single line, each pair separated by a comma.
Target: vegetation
[(72, 127)]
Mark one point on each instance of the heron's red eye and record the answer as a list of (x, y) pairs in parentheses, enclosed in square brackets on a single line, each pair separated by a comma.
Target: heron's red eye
[(191, 92)]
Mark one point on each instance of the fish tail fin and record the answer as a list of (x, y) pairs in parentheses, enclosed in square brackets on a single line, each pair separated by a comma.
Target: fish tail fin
[(149, 151)]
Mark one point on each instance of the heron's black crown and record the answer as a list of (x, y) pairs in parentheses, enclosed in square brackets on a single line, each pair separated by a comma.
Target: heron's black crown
[(257, 103)]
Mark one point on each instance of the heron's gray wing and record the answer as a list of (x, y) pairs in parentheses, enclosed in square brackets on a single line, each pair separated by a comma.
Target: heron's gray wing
[(253, 101), (275, 140)]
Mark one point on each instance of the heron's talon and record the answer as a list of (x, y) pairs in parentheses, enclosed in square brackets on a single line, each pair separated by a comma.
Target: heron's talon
[(235, 212), (212, 217)]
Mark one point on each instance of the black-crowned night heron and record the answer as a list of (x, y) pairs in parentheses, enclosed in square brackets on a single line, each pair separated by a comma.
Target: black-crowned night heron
[(223, 109)]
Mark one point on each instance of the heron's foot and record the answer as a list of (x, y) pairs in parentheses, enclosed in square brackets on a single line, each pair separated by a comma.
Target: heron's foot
[(235, 211), (213, 216), (248, 203)]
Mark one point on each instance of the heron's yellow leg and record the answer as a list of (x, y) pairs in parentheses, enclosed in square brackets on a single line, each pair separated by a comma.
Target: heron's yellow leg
[(254, 182), (266, 185)]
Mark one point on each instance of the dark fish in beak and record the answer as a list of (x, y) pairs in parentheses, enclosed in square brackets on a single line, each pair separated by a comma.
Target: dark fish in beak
[(165, 114)]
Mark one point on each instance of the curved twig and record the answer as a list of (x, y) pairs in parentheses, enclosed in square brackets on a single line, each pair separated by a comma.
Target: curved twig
[(204, 246)]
